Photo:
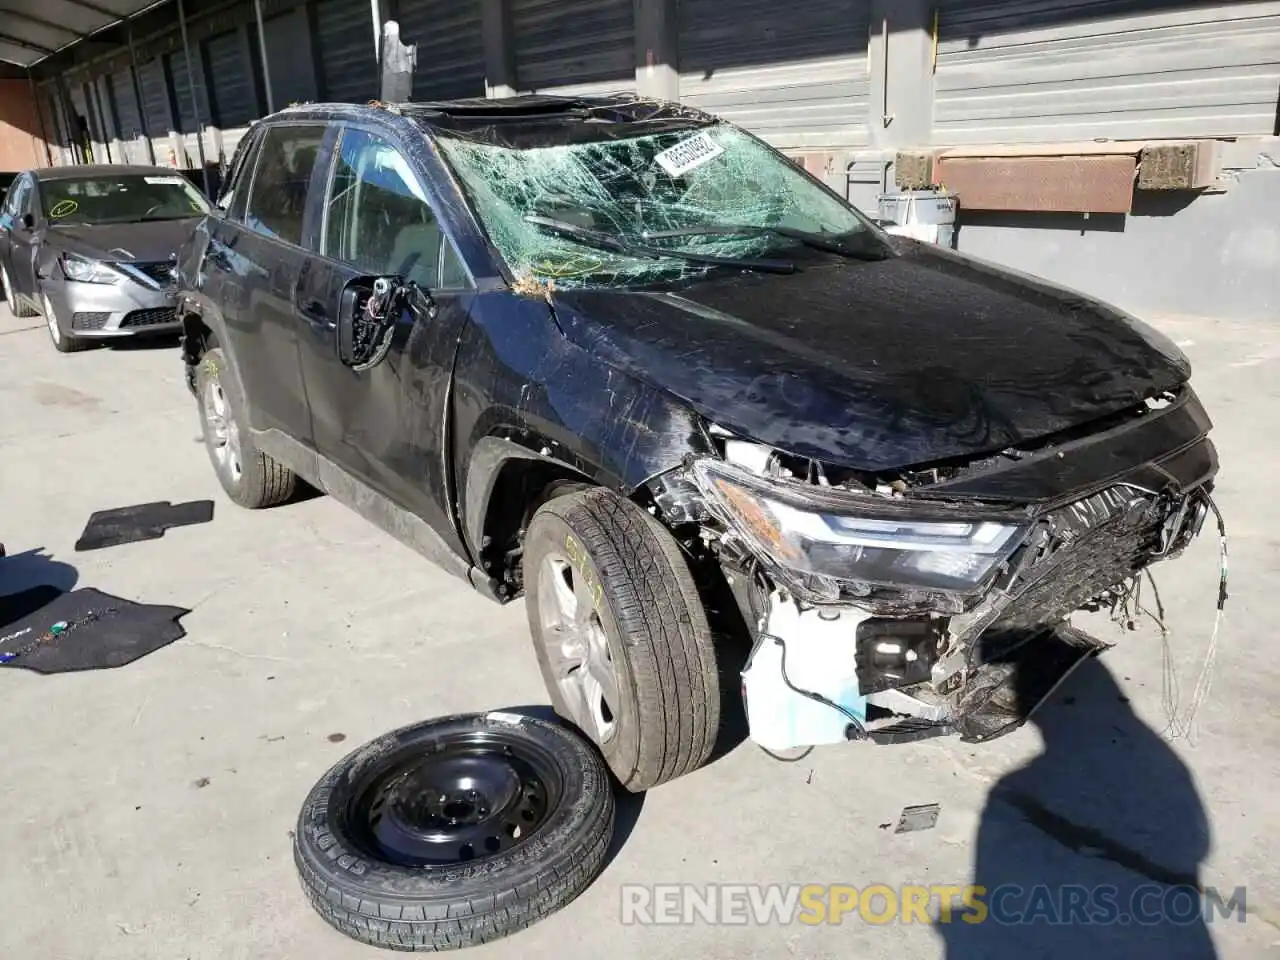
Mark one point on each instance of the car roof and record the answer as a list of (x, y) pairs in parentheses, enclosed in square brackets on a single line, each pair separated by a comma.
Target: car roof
[(78, 171), (521, 121)]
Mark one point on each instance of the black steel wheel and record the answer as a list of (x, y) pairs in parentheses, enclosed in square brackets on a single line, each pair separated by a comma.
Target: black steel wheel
[(455, 832)]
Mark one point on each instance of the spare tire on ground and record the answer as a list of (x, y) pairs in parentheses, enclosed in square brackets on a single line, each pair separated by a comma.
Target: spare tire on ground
[(455, 831)]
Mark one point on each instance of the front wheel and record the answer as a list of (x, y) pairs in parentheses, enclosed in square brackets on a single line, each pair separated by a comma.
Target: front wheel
[(62, 342), (621, 635)]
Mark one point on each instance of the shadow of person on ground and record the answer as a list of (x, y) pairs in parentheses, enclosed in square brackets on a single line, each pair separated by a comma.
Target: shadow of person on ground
[(29, 581), (1093, 848)]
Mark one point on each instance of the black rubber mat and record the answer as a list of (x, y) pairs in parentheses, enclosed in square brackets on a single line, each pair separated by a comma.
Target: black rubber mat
[(145, 521), (48, 631)]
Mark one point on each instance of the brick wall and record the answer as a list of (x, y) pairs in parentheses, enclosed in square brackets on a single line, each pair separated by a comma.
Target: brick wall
[(20, 143)]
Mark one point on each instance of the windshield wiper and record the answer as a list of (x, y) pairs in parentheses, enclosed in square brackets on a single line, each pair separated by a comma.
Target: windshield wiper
[(818, 241), (620, 244)]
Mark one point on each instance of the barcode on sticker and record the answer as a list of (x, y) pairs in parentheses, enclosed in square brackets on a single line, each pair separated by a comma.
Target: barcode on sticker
[(163, 179), (689, 154)]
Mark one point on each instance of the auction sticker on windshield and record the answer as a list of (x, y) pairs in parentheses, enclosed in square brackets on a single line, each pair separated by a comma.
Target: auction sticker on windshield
[(688, 154), (176, 180)]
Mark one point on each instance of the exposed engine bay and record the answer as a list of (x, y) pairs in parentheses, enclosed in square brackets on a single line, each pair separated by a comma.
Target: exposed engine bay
[(936, 600)]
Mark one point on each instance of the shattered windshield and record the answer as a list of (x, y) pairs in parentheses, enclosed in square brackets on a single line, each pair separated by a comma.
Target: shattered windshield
[(603, 213)]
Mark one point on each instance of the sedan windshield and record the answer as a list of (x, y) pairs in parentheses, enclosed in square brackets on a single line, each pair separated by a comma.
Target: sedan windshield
[(127, 198), (661, 207)]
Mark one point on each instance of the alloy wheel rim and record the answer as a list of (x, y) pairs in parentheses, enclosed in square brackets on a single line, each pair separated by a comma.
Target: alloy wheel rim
[(577, 648), (468, 798), (50, 319), (222, 428)]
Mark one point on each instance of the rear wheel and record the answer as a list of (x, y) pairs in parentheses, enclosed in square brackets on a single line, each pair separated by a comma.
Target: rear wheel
[(19, 309), (63, 342), (250, 477), (621, 635)]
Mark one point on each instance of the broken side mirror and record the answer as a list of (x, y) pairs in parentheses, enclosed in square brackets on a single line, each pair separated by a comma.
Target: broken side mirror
[(368, 311)]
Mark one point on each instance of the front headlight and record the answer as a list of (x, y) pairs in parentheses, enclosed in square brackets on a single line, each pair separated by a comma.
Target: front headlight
[(836, 542), (87, 271)]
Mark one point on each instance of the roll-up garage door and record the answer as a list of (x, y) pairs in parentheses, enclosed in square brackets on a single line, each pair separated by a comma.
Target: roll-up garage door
[(125, 100), (792, 73), (187, 120), (155, 99), (289, 53), (234, 102), (1058, 70), (579, 46), (347, 60), (450, 52)]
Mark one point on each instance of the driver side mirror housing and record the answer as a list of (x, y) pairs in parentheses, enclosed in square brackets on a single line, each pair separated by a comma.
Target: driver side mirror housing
[(28, 222)]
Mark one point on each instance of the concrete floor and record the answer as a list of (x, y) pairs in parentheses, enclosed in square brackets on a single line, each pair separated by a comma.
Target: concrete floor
[(308, 624)]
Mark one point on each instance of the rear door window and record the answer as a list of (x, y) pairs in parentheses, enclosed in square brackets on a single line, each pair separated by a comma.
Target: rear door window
[(278, 195)]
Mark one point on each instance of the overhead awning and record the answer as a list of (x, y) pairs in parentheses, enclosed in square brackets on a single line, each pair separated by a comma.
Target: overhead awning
[(33, 30)]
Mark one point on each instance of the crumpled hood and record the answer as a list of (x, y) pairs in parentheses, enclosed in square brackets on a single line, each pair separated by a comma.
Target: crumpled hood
[(880, 365), (149, 242)]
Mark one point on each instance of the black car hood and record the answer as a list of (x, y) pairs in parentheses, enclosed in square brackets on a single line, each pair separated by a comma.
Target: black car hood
[(880, 365), (148, 242)]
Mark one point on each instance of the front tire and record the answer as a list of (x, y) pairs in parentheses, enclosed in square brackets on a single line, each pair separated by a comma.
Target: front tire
[(250, 477), (63, 342), (16, 307), (621, 635), (454, 832)]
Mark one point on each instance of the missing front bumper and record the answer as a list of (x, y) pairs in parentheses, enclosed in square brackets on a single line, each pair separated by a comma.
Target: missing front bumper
[(827, 674)]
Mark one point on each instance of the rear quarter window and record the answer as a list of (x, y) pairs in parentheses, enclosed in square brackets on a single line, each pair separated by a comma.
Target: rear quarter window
[(277, 198)]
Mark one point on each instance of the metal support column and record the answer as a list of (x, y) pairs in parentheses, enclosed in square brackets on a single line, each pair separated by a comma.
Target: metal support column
[(195, 100), (35, 101), (657, 53), (498, 40), (137, 92), (262, 49)]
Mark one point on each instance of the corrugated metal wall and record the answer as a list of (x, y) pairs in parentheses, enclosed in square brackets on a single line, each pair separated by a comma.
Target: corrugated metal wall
[(345, 55), (793, 73), (450, 51), (231, 75), (574, 45), (176, 63), (1054, 70)]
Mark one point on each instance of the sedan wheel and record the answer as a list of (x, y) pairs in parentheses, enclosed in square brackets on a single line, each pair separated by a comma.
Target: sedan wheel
[(18, 309), (62, 342)]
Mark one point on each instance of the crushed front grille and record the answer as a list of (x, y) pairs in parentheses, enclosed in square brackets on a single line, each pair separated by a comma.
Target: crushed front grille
[(86, 320), (1102, 541), (161, 272), (150, 318)]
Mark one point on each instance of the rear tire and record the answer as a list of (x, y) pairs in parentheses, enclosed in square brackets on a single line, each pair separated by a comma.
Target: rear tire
[(17, 307), (415, 842), (621, 635), (250, 477)]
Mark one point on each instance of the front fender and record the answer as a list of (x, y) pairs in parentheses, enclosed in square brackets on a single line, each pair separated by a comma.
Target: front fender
[(523, 390)]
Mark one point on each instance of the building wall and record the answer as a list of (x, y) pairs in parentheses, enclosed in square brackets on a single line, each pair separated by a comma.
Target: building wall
[(842, 85), (20, 143)]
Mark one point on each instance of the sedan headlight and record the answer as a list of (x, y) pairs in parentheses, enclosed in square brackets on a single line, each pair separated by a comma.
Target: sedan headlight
[(87, 271), (842, 542)]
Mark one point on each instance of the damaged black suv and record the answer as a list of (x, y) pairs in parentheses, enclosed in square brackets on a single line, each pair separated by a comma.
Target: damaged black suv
[(628, 361)]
